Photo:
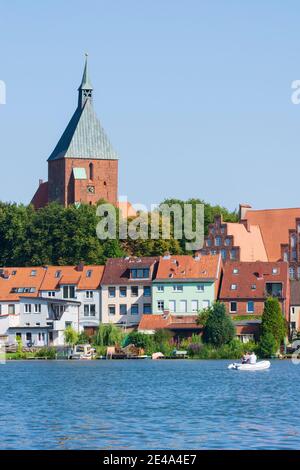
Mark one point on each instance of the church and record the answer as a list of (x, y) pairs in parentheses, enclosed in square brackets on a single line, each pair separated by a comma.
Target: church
[(83, 167)]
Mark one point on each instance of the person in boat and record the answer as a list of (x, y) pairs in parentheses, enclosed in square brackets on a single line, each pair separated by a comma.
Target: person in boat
[(246, 358), (253, 358)]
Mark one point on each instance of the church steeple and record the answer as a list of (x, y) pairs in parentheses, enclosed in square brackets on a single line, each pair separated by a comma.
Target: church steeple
[(85, 91)]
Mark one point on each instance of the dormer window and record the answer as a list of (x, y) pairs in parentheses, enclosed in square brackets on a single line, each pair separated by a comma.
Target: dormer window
[(89, 273), (233, 287), (57, 274), (275, 271), (140, 273), (33, 272), (235, 271)]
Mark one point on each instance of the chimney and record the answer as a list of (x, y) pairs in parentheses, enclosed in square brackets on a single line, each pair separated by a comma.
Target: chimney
[(80, 267), (243, 208)]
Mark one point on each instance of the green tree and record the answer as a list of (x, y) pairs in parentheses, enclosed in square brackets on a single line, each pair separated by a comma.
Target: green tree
[(109, 335), (268, 345), (140, 340), (71, 336), (219, 328), (273, 323)]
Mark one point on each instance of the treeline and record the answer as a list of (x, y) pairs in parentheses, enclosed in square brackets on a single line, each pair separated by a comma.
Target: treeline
[(61, 236)]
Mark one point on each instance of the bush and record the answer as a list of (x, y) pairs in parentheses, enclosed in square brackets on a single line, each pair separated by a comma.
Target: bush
[(140, 340), (83, 338), (49, 353)]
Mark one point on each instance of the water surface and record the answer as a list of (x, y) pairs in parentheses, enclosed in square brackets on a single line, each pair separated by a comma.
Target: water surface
[(148, 405)]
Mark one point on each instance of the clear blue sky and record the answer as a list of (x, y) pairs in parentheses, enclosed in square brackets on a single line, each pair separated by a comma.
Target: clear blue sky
[(194, 95)]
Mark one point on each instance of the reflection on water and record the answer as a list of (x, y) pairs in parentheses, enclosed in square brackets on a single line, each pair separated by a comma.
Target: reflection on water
[(148, 405)]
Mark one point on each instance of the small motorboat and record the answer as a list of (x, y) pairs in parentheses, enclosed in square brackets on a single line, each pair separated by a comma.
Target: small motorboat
[(261, 365)]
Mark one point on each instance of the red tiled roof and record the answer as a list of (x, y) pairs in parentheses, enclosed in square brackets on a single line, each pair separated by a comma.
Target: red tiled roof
[(256, 273), (20, 278), (71, 275), (156, 322), (189, 267)]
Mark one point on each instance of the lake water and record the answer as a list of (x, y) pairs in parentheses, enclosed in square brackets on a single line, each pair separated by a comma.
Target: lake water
[(148, 405)]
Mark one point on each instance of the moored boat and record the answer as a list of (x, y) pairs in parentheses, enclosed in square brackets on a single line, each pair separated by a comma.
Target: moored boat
[(261, 365)]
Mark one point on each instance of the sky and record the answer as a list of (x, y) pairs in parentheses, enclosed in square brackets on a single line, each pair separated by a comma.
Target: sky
[(194, 95)]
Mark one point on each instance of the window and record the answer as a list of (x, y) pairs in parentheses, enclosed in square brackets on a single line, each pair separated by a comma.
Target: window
[(140, 273), (195, 306), (28, 336), (111, 292), (160, 305), (292, 272), (69, 292), (208, 242), (123, 291), (90, 310), (123, 309), (177, 288), (285, 256), (111, 310), (233, 254), (91, 171), (134, 309), (172, 306), (33, 272), (224, 254), (275, 271), (134, 291), (293, 241), (68, 324), (147, 291), (213, 252), (183, 306), (235, 271), (37, 308), (160, 288), (89, 273), (205, 303), (253, 287), (218, 241), (227, 241), (250, 306), (58, 274), (200, 288), (27, 308), (298, 273), (51, 294), (233, 307), (274, 289), (233, 287), (147, 308), (89, 294), (11, 309)]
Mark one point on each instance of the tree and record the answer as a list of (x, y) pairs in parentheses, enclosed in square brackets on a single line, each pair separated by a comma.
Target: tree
[(71, 336), (140, 340), (267, 345), (219, 328), (272, 324), (273, 320), (109, 335)]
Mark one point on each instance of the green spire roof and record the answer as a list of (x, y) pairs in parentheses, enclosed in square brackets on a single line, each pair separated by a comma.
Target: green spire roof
[(85, 82), (84, 137)]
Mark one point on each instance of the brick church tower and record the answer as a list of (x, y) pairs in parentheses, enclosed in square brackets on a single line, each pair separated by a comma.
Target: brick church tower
[(83, 167)]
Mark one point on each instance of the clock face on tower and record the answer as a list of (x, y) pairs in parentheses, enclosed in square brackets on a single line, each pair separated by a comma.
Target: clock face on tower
[(91, 189)]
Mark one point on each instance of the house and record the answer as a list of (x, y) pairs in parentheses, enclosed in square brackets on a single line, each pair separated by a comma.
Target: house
[(245, 287), (78, 283), (126, 289), (38, 303), (260, 235), (185, 284), (294, 321)]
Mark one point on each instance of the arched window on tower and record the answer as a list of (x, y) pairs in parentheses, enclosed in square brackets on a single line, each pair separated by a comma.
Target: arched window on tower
[(91, 166)]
